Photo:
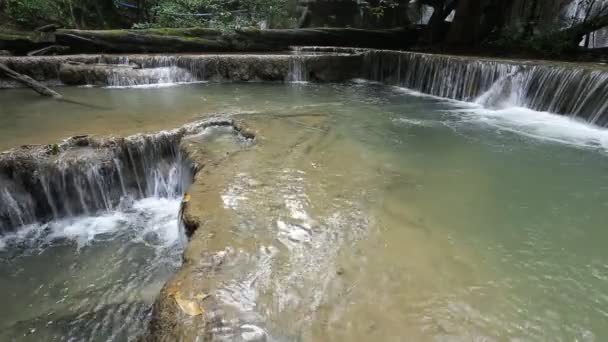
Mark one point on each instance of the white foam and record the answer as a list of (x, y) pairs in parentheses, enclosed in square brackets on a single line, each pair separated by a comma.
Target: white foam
[(157, 216), (289, 233), (417, 122), (416, 93), (84, 230), (162, 218), (540, 125), (527, 122)]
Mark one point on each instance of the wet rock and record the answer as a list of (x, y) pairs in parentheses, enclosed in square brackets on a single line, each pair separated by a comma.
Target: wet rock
[(252, 333)]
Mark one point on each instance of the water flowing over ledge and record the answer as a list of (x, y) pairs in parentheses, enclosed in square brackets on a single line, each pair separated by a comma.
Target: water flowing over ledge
[(577, 90), (580, 91), (142, 70), (86, 175)]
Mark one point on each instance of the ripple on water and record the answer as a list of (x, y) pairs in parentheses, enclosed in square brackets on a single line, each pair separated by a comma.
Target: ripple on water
[(89, 278)]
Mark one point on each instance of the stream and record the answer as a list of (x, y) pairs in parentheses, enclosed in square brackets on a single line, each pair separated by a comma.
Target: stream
[(362, 212)]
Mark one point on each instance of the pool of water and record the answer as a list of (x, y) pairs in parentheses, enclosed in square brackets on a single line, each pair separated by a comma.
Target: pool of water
[(363, 212)]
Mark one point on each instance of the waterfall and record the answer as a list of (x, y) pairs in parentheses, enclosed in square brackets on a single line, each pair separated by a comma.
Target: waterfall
[(138, 77), (297, 70), (85, 175), (573, 90), (444, 76)]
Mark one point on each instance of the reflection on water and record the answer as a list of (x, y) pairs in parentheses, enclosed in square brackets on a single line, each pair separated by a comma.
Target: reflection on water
[(367, 213)]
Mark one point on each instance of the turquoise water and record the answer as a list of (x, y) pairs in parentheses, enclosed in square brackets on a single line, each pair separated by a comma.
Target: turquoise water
[(369, 212)]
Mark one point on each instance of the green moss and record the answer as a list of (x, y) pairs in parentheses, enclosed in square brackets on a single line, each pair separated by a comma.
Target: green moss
[(54, 149), (187, 32), (15, 35)]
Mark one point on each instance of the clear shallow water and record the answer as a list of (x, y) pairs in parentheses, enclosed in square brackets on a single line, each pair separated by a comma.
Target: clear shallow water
[(88, 278), (368, 212)]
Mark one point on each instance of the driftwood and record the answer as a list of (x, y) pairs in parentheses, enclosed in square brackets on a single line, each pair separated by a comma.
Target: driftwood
[(49, 49), (28, 81)]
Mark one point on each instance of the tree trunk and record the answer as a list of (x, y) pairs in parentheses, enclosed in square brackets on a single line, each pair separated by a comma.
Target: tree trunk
[(208, 40), (465, 30), (532, 21), (28, 81), (48, 50), (577, 32), (495, 18), (437, 25)]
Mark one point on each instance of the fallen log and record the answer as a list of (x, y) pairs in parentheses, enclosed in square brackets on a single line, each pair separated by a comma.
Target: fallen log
[(246, 40), (49, 49), (19, 43), (30, 82), (48, 28)]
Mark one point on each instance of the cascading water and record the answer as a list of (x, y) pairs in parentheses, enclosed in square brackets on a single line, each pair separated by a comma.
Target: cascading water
[(297, 70), (141, 71), (149, 70), (83, 176), (106, 211), (443, 76), (576, 91)]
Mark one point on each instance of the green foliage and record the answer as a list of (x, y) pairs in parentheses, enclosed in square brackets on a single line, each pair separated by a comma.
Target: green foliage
[(54, 149), (547, 44), (377, 11), (378, 7), (215, 13), (67, 13), (34, 12), (154, 13)]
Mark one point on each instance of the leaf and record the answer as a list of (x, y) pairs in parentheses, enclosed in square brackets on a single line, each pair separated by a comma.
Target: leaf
[(189, 307)]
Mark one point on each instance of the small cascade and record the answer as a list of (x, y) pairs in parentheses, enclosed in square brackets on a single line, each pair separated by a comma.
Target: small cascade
[(572, 90), (444, 76), (297, 70), (138, 77), (146, 70), (579, 92), (505, 93), (84, 175)]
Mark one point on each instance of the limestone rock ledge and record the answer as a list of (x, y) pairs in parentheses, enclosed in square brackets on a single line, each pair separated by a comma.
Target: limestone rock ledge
[(125, 70)]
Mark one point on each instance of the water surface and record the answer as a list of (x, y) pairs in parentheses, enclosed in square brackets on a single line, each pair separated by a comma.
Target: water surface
[(369, 212)]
